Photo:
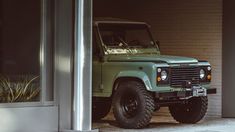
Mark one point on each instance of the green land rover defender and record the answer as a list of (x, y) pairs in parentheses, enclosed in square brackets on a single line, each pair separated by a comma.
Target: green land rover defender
[(131, 76)]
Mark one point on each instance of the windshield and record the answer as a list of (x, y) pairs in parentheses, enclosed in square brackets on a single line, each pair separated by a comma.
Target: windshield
[(126, 38)]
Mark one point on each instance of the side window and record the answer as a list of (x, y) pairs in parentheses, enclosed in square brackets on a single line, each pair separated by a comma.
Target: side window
[(26, 51), (20, 28)]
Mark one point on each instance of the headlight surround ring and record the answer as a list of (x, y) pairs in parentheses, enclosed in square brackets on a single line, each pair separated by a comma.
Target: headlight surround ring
[(163, 76)]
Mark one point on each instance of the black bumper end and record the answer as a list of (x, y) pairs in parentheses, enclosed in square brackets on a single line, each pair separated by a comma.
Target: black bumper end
[(211, 91)]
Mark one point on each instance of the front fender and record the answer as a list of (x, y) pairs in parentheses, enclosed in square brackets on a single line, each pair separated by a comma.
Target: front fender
[(136, 74)]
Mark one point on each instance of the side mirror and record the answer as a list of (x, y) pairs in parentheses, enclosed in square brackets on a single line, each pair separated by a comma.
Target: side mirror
[(98, 57), (157, 43)]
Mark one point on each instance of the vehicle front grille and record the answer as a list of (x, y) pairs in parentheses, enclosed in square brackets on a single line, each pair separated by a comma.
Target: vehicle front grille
[(179, 75)]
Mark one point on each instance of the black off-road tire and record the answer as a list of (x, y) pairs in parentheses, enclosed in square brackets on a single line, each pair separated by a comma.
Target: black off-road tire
[(133, 105), (100, 109), (191, 112)]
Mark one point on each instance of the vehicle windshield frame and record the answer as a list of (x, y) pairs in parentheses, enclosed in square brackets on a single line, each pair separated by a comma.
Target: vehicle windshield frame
[(104, 46)]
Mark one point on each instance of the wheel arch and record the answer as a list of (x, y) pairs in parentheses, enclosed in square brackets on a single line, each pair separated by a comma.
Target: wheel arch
[(132, 75)]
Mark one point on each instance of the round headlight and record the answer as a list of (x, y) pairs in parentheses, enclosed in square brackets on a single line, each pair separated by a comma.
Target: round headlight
[(164, 75), (202, 74)]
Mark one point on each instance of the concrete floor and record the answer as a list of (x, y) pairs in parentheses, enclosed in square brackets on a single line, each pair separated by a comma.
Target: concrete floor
[(167, 124)]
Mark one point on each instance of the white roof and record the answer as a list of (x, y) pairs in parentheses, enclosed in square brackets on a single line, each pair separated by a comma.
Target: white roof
[(113, 21)]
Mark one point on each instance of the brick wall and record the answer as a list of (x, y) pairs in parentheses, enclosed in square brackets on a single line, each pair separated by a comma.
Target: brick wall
[(184, 28)]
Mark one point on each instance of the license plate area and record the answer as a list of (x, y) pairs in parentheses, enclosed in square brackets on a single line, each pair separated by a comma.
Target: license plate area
[(199, 91)]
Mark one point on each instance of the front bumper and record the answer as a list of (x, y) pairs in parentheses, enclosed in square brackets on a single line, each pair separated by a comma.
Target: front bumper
[(187, 93)]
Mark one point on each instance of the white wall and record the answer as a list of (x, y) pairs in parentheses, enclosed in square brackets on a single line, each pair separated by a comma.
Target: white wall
[(184, 27)]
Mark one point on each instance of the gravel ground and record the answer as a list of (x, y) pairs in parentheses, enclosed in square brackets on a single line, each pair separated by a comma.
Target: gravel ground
[(167, 124)]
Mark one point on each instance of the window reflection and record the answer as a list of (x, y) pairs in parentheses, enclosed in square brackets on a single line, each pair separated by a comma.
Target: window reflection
[(19, 50)]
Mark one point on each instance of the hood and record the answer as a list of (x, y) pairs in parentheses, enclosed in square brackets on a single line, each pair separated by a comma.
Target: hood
[(152, 58)]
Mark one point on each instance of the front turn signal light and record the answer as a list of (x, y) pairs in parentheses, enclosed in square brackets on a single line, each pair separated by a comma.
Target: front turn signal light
[(159, 79), (209, 77)]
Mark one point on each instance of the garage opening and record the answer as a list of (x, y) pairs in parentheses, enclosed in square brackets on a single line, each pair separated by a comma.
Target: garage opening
[(183, 28)]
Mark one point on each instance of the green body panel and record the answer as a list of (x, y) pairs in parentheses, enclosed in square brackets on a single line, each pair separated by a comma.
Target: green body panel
[(142, 67)]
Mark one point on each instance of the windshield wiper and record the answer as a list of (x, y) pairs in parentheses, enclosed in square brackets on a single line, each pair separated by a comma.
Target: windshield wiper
[(123, 43)]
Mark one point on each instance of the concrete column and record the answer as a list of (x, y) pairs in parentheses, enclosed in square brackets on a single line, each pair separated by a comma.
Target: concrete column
[(228, 83)]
